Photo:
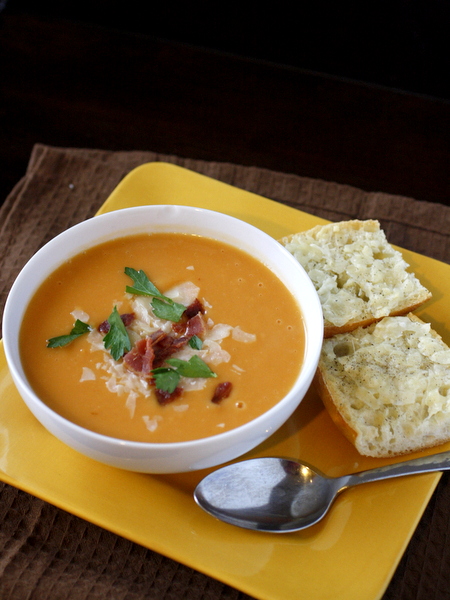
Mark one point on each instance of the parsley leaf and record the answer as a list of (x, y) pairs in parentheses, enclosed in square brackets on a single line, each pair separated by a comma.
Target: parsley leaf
[(142, 284), (195, 342), (169, 310), (194, 367), (117, 339), (163, 307), (166, 379), (78, 329)]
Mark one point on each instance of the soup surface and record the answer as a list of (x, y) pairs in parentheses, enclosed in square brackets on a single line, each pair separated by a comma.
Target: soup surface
[(249, 332)]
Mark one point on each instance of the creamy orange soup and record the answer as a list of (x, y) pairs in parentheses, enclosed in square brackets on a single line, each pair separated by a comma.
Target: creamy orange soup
[(264, 345)]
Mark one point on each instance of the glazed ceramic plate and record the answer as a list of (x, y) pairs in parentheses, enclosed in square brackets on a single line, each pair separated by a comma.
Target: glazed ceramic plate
[(350, 555)]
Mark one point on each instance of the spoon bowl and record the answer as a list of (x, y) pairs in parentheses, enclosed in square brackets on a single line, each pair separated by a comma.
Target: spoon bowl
[(281, 495)]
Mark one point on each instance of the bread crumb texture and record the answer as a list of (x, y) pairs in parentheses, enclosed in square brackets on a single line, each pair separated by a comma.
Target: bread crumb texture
[(358, 275), (390, 385)]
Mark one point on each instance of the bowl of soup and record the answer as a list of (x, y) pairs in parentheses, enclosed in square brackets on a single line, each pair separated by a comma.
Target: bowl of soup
[(162, 339)]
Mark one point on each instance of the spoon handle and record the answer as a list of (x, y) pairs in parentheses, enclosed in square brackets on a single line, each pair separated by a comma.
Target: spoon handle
[(424, 464)]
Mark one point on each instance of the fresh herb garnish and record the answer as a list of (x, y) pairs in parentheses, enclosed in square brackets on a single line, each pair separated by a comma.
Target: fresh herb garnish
[(167, 379), (142, 284), (78, 329), (163, 307), (194, 367), (117, 339), (195, 342), (168, 310)]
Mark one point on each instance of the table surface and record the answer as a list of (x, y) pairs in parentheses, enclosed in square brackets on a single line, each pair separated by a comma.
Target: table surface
[(67, 83)]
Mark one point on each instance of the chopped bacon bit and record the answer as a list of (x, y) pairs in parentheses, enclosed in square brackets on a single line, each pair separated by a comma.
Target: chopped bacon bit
[(140, 358), (158, 335), (195, 326), (127, 319), (164, 398), (180, 327), (194, 308), (104, 327), (222, 391), (164, 346)]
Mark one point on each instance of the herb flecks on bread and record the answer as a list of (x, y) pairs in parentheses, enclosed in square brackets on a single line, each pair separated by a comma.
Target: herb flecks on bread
[(387, 386), (359, 276)]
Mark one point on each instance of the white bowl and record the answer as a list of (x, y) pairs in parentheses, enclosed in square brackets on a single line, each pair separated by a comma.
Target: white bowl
[(164, 457)]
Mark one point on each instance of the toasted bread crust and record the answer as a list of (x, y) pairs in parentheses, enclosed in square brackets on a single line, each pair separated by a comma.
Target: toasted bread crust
[(331, 330), (328, 402)]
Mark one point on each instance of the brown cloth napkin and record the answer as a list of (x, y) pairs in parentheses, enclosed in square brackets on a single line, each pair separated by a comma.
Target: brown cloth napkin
[(48, 554)]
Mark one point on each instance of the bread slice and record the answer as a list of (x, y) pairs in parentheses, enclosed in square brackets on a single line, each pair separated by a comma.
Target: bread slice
[(359, 276), (387, 386)]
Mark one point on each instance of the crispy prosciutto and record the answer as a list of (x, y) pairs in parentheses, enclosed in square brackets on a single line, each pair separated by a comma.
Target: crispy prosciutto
[(140, 358), (195, 326), (164, 345), (194, 309), (222, 391), (192, 322), (150, 353), (127, 319), (164, 398)]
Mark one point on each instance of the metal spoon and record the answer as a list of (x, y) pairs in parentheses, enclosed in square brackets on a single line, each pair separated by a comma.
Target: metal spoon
[(280, 495)]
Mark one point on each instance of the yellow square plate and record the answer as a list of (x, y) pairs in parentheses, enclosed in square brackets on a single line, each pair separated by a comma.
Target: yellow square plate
[(350, 555)]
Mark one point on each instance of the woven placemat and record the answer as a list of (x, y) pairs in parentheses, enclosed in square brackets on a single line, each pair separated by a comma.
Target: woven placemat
[(48, 554)]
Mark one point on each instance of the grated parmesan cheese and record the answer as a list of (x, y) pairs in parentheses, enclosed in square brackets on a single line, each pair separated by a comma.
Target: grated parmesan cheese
[(87, 375), (151, 424), (180, 407), (81, 315), (242, 336)]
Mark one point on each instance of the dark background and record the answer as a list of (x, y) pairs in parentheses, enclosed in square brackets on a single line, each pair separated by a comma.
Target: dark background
[(399, 44), (351, 92)]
